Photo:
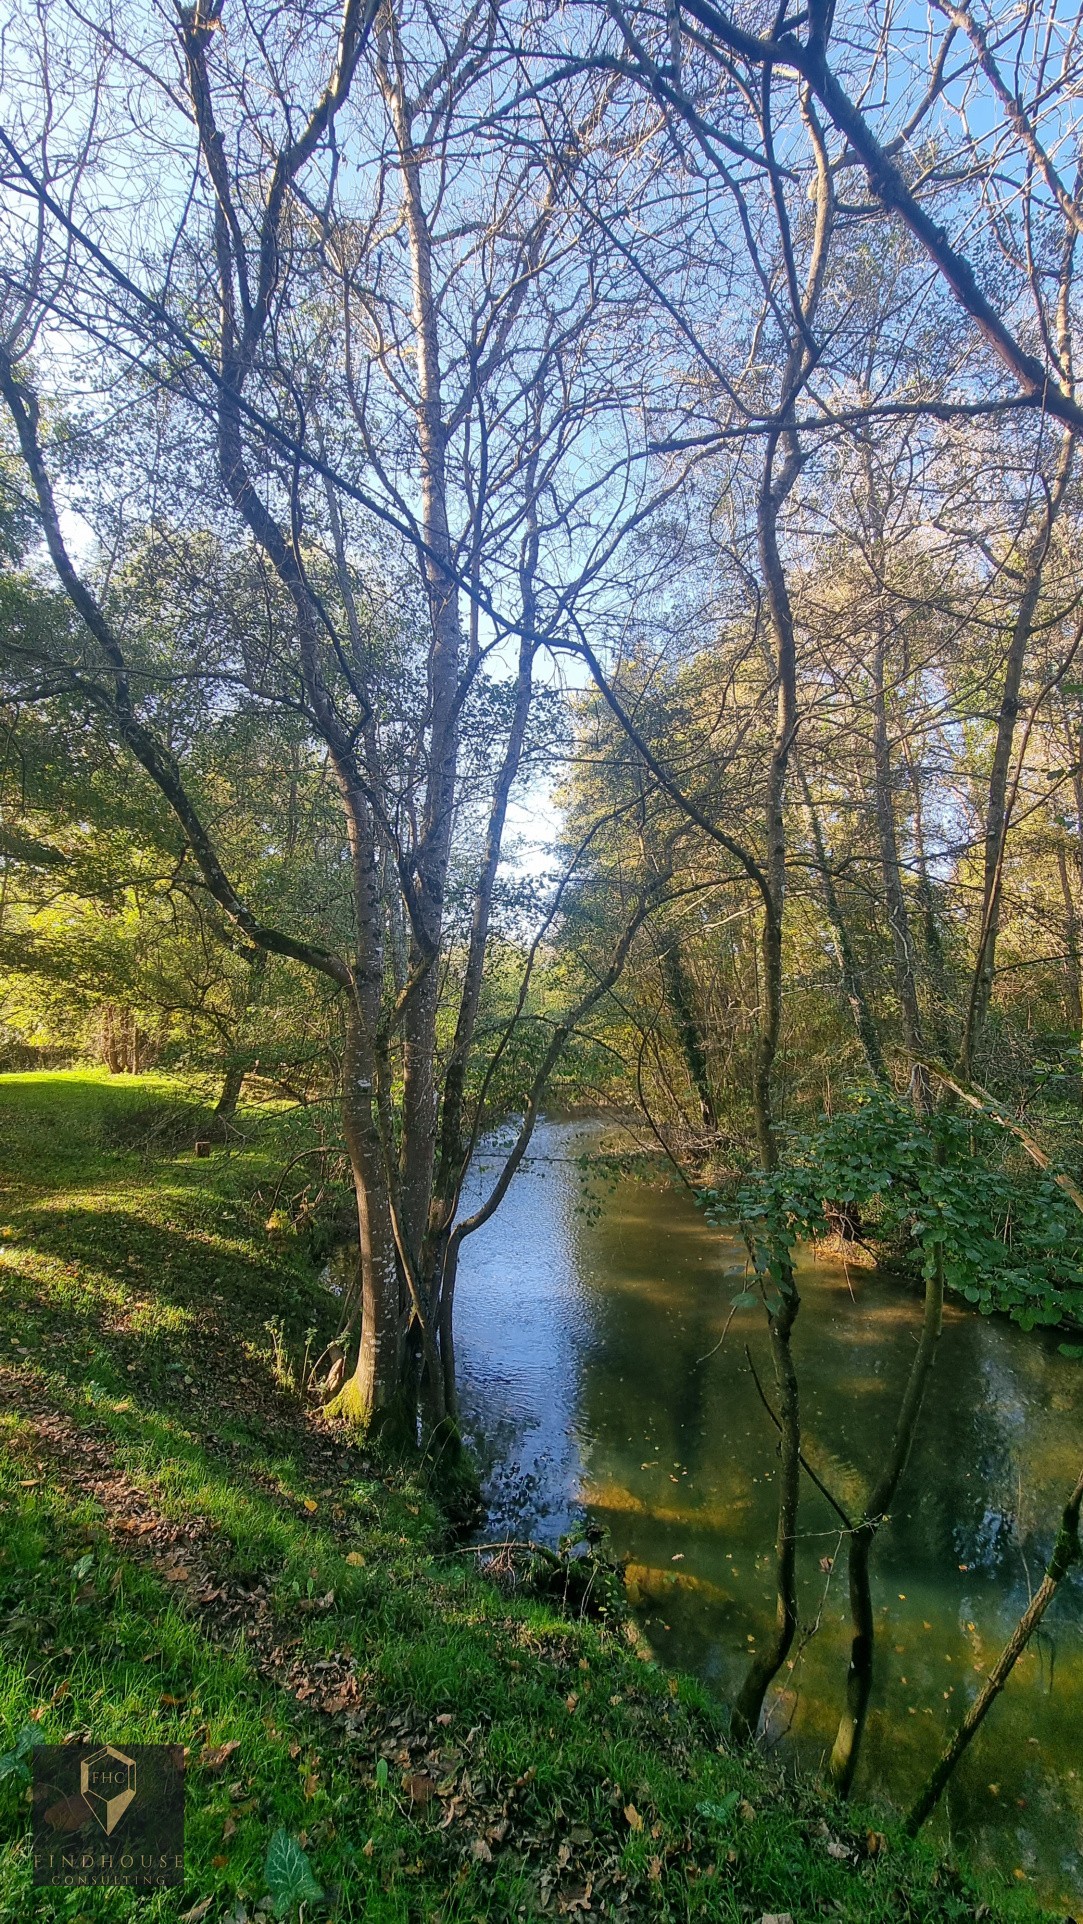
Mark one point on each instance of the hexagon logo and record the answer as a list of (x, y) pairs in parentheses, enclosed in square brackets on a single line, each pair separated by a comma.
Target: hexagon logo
[(107, 1784)]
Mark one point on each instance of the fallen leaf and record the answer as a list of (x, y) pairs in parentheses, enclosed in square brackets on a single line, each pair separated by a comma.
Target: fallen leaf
[(213, 1756), (479, 1849), (420, 1789), (837, 1850), (340, 1699), (310, 1504), (875, 1842), (68, 1814), (827, 1564), (177, 1575), (777, 1917), (355, 1557), (444, 1718), (746, 1811), (367, 1849), (632, 1817), (654, 1870), (198, 1910)]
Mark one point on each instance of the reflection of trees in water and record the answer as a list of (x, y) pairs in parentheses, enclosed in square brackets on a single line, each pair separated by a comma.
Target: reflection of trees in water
[(639, 1294)]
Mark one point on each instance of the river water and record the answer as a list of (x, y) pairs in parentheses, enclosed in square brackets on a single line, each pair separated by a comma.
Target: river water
[(587, 1312)]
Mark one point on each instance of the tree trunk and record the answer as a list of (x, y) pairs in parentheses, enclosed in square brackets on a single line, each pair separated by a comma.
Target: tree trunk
[(848, 969), (748, 1708), (679, 995), (902, 947), (1066, 1553), (232, 1083), (998, 803), (108, 1041), (372, 1397), (851, 1728), (1072, 964)]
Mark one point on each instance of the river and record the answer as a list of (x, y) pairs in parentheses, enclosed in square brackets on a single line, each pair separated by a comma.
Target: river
[(587, 1314)]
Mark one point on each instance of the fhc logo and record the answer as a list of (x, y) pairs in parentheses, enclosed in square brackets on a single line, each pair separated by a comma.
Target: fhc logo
[(107, 1814), (108, 1784)]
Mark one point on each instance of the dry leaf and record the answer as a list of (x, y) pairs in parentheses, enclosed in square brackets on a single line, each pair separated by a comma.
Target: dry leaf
[(420, 1789), (311, 1504), (479, 1849), (355, 1557), (875, 1842), (198, 1910), (632, 1817), (68, 1814), (213, 1756), (776, 1917), (367, 1849)]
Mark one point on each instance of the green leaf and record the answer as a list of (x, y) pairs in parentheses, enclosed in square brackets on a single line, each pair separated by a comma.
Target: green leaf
[(14, 1762), (1070, 1349), (719, 1813), (381, 1773), (289, 1877), (83, 1568)]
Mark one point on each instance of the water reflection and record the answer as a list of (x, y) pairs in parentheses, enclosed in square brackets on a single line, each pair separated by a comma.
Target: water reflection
[(585, 1339)]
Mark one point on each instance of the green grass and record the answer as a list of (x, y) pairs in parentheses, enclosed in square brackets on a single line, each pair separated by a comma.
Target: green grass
[(441, 1749)]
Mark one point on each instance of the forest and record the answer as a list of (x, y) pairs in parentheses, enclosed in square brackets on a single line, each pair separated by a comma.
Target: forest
[(541, 620)]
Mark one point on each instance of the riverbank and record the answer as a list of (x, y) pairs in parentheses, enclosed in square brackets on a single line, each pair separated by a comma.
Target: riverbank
[(190, 1555)]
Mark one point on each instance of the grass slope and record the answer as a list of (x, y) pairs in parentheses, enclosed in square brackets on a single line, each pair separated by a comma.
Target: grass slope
[(186, 1555)]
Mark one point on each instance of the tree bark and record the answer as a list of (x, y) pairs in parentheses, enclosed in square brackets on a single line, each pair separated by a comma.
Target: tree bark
[(371, 1397), (225, 1109)]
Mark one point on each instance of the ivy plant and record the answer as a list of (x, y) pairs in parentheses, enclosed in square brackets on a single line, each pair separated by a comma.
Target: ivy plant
[(1011, 1240)]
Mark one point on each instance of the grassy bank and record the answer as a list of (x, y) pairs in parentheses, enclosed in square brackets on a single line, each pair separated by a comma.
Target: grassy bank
[(188, 1556)]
